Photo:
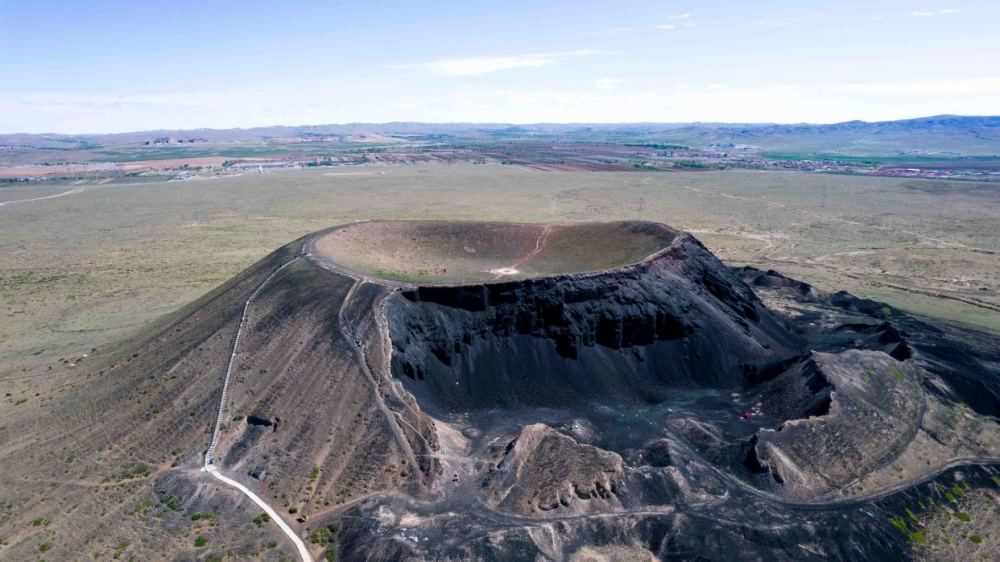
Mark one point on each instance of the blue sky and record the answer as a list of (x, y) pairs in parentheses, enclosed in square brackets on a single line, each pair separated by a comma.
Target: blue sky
[(109, 66)]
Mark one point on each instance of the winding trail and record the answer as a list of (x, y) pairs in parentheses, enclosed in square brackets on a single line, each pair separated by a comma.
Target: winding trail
[(359, 354), (539, 245), (209, 466)]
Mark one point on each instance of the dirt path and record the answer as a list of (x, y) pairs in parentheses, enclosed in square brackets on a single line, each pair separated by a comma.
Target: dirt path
[(362, 360), (539, 246), (209, 466), (299, 545), (64, 193)]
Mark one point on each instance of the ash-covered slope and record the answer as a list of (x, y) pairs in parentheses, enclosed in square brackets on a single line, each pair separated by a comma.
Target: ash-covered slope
[(302, 427)]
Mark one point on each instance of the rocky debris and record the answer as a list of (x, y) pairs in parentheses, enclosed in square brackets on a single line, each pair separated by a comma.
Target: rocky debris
[(263, 422), (655, 453), (772, 279), (542, 470), (882, 337), (801, 391)]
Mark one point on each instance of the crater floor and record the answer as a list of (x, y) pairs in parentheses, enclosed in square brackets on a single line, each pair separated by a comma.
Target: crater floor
[(438, 252)]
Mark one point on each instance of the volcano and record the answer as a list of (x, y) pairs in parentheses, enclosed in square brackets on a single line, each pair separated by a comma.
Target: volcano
[(411, 390)]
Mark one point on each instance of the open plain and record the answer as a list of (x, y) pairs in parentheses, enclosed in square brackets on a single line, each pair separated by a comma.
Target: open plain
[(68, 262), (350, 443)]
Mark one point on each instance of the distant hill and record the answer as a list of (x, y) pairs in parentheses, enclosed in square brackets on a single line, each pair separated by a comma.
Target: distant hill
[(941, 134)]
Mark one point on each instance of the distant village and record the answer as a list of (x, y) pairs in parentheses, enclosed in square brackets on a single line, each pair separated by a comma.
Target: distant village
[(173, 141)]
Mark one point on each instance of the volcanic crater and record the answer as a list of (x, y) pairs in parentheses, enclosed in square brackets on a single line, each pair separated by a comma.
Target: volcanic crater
[(463, 390)]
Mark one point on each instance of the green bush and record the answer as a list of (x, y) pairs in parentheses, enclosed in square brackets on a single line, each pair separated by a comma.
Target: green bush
[(324, 535), (200, 541), (169, 502)]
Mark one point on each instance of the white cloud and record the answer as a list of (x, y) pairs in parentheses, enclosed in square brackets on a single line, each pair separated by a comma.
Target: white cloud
[(601, 99), (667, 26), (939, 12), (472, 66), (607, 84), (683, 16), (964, 87)]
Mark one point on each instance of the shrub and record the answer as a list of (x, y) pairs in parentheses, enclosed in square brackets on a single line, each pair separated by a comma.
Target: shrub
[(324, 535), (44, 547), (200, 541), (169, 502)]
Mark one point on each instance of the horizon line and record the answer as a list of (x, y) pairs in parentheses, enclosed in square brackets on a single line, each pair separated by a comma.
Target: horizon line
[(506, 124)]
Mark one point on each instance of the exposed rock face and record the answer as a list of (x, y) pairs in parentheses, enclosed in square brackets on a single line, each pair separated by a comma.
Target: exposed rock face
[(680, 319), (542, 470)]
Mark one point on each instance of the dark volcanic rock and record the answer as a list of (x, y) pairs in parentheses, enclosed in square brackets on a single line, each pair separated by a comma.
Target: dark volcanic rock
[(680, 319)]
